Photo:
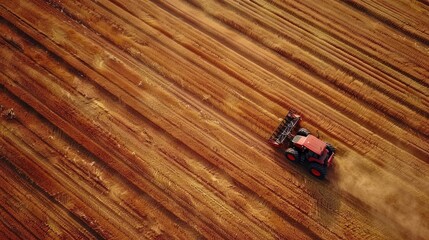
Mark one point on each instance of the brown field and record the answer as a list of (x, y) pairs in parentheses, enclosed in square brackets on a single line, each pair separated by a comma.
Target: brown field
[(150, 119)]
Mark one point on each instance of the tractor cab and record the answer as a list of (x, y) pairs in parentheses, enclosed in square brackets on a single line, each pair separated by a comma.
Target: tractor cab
[(302, 147), (309, 142), (315, 150)]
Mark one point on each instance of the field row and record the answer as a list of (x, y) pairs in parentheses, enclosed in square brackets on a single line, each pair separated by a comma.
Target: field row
[(151, 117)]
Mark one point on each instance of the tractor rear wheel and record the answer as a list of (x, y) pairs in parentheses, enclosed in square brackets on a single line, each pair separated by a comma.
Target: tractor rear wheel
[(317, 170), (303, 132), (292, 154)]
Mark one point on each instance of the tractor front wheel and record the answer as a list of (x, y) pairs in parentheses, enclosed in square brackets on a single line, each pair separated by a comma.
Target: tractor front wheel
[(303, 132), (317, 170), (291, 154)]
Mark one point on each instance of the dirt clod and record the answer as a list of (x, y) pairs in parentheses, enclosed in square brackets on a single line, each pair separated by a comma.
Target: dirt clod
[(9, 114)]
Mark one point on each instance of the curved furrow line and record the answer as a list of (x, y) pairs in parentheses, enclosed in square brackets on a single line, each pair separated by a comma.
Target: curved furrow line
[(357, 88), (338, 54), (376, 48), (393, 14), (85, 168)]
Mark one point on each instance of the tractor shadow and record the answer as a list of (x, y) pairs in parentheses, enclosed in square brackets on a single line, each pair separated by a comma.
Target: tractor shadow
[(326, 195), (326, 199)]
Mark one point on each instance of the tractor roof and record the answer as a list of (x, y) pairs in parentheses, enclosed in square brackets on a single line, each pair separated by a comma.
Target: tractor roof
[(311, 142)]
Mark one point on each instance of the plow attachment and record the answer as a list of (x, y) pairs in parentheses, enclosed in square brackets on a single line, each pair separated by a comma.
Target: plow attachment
[(285, 128)]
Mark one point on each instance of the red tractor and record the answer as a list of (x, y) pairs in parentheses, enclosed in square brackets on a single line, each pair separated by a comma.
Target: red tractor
[(302, 147)]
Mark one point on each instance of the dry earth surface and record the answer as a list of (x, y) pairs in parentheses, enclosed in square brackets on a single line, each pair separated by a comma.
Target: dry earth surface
[(149, 119)]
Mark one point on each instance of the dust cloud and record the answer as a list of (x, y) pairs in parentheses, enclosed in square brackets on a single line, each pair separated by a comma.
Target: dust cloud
[(395, 205)]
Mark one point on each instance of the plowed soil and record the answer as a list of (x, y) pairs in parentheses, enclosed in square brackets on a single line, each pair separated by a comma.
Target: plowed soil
[(129, 119)]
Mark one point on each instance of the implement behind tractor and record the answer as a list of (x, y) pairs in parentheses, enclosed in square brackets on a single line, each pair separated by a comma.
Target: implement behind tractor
[(284, 130), (302, 147)]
